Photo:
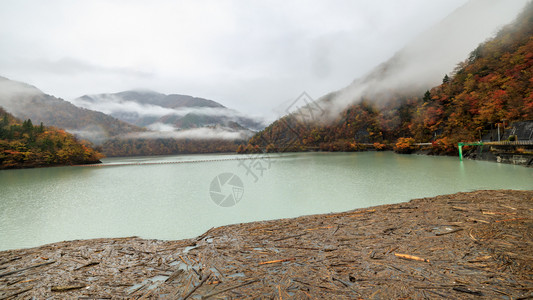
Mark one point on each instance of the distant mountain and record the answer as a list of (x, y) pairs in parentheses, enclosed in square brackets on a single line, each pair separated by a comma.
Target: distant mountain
[(173, 123), (27, 102), (162, 112), (158, 99), (24, 145)]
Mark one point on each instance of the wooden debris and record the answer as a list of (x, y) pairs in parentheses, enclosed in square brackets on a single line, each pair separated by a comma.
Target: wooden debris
[(290, 237), (410, 257), (16, 293), (230, 288), (317, 228), (457, 208), (509, 220), (464, 289), (137, 289), (196, 287), (65, 288), (10, 260), (276, 261), (448, 232), (94, 263), (478, 220), (507, 206), (174, 275), (26, 268), (497, 213)]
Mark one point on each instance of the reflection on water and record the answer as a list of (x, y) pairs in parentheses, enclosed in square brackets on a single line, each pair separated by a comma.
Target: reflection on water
[(172, 201)]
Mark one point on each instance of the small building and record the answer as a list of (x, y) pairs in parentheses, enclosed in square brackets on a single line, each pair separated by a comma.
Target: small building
[(521, 131)]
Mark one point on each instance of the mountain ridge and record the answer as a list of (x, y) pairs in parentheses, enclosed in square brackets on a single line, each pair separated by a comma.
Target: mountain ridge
[(148, 108)]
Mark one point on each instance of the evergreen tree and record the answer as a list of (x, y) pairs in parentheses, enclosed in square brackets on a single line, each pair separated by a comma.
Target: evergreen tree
[(27, 126), (427, 96), (446, 79), (5, 121), (41, 128)]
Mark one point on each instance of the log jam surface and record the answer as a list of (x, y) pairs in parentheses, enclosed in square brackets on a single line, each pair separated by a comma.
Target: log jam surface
[(466, 245)]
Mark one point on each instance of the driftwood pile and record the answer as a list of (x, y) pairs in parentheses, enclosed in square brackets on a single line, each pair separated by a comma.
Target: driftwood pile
[(466, 245)]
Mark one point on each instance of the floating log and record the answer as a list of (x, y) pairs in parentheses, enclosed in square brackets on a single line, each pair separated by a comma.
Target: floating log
[(94, 263), (16, 293), (65, 288), (509, 220), (464, 289), (10, 260), (197, 287), (174, 275), (497, 213), (230, 288), (448, 232), (290, 237), (276, 261), (410, 257), (27, 268)]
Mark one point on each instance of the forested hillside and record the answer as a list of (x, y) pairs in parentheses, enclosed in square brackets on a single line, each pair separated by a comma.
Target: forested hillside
[(493, 85), (166, 146), (23, 145)]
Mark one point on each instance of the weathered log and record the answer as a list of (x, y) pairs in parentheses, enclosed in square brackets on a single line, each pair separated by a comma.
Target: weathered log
[(410, 257), (27, 268)]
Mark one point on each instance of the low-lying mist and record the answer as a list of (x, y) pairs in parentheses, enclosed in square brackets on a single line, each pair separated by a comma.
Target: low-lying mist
[(14, 95), (203, 133), (166, 113), (113, 104), (422, 63)]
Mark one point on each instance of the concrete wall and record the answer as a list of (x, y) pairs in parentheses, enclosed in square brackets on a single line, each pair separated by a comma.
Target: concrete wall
[(500, 156), (515, 159)]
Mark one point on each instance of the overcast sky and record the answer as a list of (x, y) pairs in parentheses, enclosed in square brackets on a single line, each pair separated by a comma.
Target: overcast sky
[(253, 56)]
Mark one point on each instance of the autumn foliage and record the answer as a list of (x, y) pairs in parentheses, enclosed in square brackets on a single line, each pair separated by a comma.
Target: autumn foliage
[(404, 145), (166, 146), (24, 145)]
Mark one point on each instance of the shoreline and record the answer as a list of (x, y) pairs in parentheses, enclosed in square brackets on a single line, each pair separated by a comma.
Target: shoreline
[(456, 246), (520, 159)]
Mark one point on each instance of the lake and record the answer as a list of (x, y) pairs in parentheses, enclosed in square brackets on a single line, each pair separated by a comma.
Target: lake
[(175, 197)]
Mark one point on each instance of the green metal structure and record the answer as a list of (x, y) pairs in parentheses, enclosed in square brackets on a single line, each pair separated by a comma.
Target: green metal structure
[(460, 145)]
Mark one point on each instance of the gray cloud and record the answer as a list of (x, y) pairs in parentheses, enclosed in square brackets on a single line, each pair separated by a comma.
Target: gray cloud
[(248, 55), (68, 66)]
